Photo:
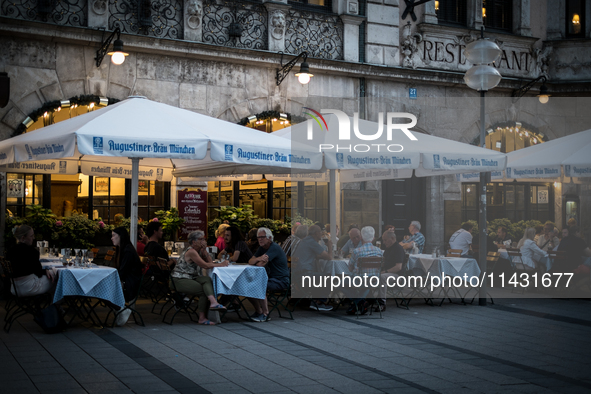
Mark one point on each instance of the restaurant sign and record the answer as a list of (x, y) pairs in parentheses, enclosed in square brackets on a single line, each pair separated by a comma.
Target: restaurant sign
[(373, 175), (124, 171), (443, 48), (192, 207), (66, 167)]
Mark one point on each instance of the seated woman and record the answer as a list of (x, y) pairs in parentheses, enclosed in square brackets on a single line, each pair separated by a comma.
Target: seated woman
[(29, 276), (130, 265), (188, 278), (531, 255), (235, 246), (220, 234)]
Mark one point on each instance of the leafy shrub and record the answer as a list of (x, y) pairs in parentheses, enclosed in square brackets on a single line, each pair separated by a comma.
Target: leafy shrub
[(171, 223)]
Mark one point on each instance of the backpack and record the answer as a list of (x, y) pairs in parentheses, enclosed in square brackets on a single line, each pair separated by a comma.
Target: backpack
[(50, 319)]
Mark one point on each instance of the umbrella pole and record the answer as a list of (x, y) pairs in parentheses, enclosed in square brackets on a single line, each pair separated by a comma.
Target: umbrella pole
[(333, 207), (135, 167), (482, 219)]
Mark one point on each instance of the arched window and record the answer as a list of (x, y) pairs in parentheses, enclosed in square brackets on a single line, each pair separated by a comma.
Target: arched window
[(513, 200)]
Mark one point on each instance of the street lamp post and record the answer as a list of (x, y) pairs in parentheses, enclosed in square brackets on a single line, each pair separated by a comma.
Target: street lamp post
[(482, 77)]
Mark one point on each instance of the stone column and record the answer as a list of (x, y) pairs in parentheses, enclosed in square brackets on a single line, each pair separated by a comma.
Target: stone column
[(98, 15), (521, 18), (277, 14), (351, 37), (383, 39), (430, 15), (555, 19), (193, 17), (474, 14)]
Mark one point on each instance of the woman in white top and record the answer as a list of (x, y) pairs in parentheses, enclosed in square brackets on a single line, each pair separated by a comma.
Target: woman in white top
[(531, 255)]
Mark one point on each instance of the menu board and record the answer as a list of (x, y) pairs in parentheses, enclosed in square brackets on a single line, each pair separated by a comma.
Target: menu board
[(193, 208)]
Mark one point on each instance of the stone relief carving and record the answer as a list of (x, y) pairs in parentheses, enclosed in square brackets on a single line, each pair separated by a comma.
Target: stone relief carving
[(194, 14), (541, 58), (99, 6), (278, 24), (409, 46)]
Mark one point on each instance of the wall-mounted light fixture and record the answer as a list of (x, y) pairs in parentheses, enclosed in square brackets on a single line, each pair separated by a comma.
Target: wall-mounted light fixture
[(304, 74), (436, 5), (576, 21), (483, 12), (543, 96), (117, 54)]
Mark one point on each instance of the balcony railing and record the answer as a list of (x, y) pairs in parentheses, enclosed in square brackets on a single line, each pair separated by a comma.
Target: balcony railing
[(238, 24)]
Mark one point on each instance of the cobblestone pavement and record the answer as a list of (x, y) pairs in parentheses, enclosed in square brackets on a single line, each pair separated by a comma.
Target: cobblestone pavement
[(515, 346)]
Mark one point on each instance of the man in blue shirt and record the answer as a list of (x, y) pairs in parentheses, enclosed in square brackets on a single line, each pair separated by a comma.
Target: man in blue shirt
[(416, 237), (271, 256), (353, 243)]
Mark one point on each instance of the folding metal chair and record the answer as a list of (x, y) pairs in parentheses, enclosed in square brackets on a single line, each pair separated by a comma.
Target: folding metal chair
[(370, 266), (454, 253), (18, 306)]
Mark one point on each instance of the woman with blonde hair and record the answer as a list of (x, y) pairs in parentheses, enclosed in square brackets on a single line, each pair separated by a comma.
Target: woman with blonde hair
[(531, 254), (220, 243), (29, 276), (189, 279)]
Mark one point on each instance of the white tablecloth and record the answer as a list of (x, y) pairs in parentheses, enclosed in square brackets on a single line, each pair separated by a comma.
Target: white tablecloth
[(450, 266), (333, 267)]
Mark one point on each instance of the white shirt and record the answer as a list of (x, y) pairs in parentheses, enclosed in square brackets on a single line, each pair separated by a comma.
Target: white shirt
[(531, 253), (461, 239)]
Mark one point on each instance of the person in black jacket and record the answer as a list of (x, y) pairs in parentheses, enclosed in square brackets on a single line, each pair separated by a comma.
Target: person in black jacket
[(29, 276), (130, 266)]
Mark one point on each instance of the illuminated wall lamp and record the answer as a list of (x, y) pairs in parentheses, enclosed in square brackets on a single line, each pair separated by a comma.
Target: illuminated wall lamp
[(117, 54), (303, 76)]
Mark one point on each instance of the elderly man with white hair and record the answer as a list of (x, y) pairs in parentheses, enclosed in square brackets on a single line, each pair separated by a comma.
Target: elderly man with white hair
[(271, 256), (416, 237), (365, 250)]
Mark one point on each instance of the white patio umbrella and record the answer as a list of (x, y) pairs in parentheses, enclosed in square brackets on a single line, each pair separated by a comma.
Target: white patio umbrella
[(112, 141), (567, 156)]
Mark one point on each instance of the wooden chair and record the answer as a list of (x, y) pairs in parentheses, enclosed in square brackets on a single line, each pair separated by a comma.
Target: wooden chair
[(518, 266), (454, 253), (372, 266)]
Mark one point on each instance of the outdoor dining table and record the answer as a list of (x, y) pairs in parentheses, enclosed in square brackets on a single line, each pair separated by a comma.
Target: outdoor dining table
[(333, 267), (240, 280), (439, 266), (79, 285)]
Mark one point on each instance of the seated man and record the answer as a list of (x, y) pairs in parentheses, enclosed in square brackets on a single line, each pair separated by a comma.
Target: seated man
[(416, 237), (576, 250), (345, 238), (365, 250), (291, 241), (392, 265), (304, 262), (503, 239), (153, 247), (271, 256), (462, 239), (353, 242), (549, 240)]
